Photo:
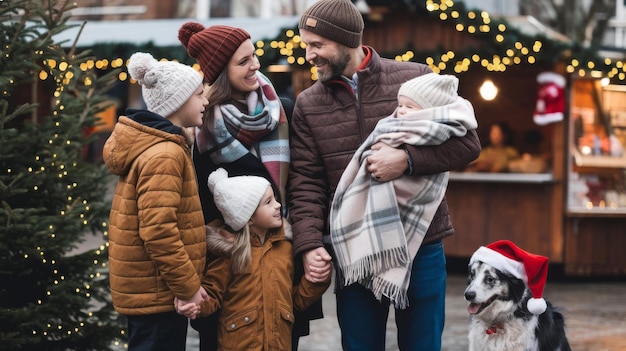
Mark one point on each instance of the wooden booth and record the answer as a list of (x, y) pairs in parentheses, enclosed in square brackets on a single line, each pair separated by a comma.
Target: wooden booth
[(573, 208), (595, 205), (533, 208), (524, 207), (575, 211)]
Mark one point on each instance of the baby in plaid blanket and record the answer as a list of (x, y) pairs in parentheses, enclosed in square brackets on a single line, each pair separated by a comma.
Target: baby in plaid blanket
[(378, 226)]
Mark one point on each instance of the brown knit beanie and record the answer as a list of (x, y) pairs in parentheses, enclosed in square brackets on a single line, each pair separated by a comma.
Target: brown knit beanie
[(337, 20), (212, 47)]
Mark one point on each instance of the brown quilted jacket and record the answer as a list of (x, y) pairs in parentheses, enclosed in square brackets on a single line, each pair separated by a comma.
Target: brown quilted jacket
[(257, 307), (157, 238), (328, 125)]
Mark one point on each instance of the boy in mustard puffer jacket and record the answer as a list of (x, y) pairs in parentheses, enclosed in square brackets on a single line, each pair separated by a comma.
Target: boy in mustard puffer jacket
[(157, 238)]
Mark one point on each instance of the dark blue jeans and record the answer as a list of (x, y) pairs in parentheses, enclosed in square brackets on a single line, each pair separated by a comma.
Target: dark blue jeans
[(363, 319), (157, 332)]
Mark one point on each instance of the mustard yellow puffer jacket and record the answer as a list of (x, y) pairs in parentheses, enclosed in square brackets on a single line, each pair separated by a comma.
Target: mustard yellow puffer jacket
[(157, 236)]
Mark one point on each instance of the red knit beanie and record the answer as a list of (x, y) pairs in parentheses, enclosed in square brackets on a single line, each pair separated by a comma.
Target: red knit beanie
[(212, 47)]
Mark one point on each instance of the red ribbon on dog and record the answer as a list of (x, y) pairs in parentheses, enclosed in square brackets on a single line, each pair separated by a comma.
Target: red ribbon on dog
[(494, 328)]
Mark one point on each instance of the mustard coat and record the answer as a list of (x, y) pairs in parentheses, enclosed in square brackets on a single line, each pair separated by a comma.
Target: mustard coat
[(157, 238), (257, 306)]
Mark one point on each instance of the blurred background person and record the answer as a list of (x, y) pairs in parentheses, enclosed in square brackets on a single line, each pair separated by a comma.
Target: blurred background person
[(498, 153)]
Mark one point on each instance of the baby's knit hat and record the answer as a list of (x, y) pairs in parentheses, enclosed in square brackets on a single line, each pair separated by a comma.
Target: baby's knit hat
[(337, 20), (212, 47), (431, 90), (236, 197), (165, 85)]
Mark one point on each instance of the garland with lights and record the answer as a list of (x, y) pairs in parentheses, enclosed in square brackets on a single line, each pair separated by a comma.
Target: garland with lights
[(53, 296), (510, 46), (502, 46)]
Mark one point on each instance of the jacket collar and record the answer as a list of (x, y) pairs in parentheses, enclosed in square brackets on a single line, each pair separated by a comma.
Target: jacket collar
[(371, 63)]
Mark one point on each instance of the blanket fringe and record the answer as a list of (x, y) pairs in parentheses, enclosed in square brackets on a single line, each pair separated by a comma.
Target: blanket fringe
[(393, 292), (369, 266)]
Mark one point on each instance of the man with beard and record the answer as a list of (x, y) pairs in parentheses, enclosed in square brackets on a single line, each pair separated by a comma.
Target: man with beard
[(331, 119)]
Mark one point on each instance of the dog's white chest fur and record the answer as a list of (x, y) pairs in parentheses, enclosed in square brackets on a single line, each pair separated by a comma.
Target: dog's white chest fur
[(514, 335)]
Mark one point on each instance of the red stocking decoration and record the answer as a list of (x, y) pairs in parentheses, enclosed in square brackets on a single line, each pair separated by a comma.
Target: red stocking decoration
[(550, 98)]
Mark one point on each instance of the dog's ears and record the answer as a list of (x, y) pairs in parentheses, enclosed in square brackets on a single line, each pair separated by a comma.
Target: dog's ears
[(517, 287)]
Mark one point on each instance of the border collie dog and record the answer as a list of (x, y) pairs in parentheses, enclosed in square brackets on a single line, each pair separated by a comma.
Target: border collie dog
[(499, 315)]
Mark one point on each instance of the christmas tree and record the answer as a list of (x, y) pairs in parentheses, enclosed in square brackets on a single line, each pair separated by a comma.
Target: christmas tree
[(51, 296)]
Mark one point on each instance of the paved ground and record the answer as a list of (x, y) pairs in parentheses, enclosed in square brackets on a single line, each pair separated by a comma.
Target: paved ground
[(595, 315)]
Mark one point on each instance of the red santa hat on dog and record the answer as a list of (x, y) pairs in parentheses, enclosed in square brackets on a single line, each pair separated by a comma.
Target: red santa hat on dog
[(531, 268)]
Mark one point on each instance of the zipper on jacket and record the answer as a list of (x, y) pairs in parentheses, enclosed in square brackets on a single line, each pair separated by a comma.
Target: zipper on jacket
[(353, 89), (357, 105)]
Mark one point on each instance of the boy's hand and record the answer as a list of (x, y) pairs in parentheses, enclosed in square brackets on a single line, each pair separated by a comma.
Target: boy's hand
[(189, 310), (196, 300)]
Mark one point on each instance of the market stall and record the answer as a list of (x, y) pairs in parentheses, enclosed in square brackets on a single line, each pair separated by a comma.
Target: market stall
[(575, 211)]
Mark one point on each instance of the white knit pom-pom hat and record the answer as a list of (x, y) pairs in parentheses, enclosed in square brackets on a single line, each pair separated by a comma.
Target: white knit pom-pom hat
[(165, 85), (238, 197)]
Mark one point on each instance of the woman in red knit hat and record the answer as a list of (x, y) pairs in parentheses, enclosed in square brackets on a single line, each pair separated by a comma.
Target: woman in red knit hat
[(245, 131)]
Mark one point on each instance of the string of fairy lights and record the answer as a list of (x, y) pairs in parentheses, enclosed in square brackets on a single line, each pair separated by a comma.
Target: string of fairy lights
[(292, 49), (63, 73), (518, 53), (515, 55)]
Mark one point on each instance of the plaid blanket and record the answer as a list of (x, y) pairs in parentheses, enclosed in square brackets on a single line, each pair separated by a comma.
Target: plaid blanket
[(377, 227)]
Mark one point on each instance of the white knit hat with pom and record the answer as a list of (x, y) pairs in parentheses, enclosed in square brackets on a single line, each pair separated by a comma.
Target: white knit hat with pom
[(165, 85), (238, 197), (431, 89)]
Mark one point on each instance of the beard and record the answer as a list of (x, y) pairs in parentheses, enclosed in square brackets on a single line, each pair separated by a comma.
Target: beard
[(336, 64)]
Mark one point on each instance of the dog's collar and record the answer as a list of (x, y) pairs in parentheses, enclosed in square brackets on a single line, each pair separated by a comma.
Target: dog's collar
[(494, 328)]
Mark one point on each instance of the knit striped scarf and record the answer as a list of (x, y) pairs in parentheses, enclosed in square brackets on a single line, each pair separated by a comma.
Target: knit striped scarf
[(376, 227), (263, 131)]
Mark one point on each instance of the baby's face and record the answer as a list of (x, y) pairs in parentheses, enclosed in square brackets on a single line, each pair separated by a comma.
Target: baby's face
[(406, 105)]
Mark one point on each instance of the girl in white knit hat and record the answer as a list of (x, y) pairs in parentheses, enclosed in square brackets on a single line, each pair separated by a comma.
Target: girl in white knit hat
[(370, 216), (252, 282), (157, 247)]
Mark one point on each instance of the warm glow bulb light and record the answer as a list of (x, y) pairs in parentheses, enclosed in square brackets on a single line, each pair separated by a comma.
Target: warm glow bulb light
[(488, 90)]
